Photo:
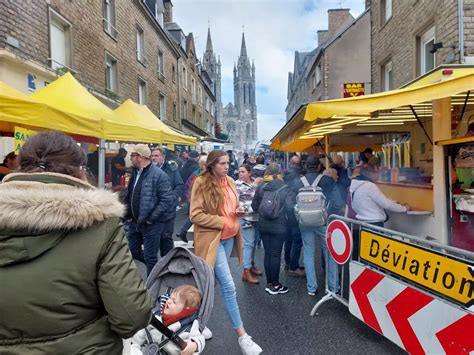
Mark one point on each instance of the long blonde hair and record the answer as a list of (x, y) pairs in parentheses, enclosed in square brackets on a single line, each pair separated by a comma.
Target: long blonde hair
[(210, 187)]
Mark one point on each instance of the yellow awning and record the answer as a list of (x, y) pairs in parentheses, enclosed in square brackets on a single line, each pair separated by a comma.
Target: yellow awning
[(16, 108), (364, 105), (140, 115), (67, 94)]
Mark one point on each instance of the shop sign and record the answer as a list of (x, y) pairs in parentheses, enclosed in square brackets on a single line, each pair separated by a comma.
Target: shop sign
[(446, 276), (353, 89), (21, 136)]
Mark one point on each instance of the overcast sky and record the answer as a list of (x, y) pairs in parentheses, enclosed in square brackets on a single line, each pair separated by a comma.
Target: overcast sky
[(274, 30)]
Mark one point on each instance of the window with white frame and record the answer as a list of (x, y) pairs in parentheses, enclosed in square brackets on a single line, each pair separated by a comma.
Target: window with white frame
[(162, 107), (110, 20), (157, 9), (60, 41), (140, 45), (161, 64), (111, 73), (199, 95), (387, 76), (427, 58), (386, 9), (141, 91), (318, 74), (208, 105), (313, 81)]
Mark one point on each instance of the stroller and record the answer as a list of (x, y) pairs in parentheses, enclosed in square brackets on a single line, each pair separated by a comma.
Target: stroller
[(179, 267)]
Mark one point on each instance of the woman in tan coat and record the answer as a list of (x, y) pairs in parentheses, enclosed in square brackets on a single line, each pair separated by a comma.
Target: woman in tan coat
[(214, 212)]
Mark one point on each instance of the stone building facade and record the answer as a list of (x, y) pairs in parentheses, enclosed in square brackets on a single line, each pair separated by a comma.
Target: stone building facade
[(117, 49), (312, 78), (409, 38)]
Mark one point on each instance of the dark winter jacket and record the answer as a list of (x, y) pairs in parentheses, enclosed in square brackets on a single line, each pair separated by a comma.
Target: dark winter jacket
[(327, 184), (279, 225), (343, 182), (188, 169), (177, 184), (291, 175), (68, 282), (157, 202)]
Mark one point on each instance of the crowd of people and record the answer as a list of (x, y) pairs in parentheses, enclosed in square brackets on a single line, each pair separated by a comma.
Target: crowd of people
[(97, 296)]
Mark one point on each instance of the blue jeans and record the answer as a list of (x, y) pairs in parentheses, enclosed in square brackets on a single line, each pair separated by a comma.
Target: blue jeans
[(309, 237), (226, 282), (149, 236), (248, 235), (293, 246)]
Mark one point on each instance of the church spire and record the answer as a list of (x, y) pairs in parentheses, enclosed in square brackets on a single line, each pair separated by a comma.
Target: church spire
[(243, 48), (209, 41)]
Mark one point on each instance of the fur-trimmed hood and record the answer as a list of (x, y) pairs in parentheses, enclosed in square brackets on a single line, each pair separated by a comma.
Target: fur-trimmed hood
[(46, 202)]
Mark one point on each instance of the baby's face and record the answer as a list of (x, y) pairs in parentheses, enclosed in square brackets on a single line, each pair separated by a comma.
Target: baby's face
[(174, 305)]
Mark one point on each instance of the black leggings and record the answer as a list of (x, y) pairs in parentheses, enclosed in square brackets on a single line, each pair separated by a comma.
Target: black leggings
[(273, 245)]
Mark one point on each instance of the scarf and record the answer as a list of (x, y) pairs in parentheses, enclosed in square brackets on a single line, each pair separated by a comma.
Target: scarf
[(170, 319), (268, 178)]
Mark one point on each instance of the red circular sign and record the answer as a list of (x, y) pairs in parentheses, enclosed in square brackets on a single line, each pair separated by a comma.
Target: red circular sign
[(339, 241)]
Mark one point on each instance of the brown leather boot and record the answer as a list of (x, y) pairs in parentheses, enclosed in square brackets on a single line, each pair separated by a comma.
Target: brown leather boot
[(247, 277), (255, 272)]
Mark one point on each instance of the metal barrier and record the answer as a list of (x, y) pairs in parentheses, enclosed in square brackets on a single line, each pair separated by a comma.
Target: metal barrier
[(343, 270)]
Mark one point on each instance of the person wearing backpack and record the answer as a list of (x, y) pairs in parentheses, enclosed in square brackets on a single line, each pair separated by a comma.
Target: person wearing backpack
[(271, 201), (315, 197)]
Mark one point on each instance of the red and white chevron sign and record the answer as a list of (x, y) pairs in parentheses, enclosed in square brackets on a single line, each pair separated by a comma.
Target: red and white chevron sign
[(414, 320)]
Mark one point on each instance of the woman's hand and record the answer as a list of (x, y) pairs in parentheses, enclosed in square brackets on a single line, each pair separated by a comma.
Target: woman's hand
[(408, 207), (240, 211)]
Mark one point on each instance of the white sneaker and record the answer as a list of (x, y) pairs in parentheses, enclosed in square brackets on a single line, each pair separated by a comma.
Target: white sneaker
[(207, 333), (248, 346)]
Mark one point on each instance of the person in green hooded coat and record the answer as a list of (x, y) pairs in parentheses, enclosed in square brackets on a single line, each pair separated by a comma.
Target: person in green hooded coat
[(68, 284)]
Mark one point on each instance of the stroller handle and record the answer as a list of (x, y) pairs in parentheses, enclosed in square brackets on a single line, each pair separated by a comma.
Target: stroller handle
[(176, 339)]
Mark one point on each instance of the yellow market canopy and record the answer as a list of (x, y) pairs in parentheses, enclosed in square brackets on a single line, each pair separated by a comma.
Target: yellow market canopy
[(141, 116), (364, 105), (68, 95), (311, 122), (16, 108)]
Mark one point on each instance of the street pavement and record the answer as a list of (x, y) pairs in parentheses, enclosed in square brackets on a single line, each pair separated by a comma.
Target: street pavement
[(281, 324)]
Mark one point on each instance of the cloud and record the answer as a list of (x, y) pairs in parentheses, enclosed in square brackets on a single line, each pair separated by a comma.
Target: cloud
[(274, 30)]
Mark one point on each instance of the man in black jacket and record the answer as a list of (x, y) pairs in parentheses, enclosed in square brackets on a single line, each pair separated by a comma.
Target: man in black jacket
[(190, 165), (293, 241), (158, 157), (310, 234), (150, 204)]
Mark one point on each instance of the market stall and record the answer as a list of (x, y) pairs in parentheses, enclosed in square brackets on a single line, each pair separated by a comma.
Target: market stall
[(406, 124)]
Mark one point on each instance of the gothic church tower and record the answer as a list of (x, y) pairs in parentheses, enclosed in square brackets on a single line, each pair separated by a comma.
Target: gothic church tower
[(244, 100)]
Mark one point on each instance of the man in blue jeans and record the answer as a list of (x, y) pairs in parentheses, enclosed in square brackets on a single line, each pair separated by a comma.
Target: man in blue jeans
[(150, 204), (310, 235)]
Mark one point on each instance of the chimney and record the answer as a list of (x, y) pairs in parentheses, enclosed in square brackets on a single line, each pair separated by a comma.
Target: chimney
[(336, 18), (323, 36), (168, 16)]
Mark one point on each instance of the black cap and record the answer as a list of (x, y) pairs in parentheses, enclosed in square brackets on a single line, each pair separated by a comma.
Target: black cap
[(194, 154), (122, 150)]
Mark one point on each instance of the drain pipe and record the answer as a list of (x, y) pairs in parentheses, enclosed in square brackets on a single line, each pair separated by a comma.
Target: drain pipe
[(461, 30)]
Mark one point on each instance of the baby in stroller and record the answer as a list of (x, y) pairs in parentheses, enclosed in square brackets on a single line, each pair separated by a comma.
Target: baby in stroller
[(176, 310), (181, 284)]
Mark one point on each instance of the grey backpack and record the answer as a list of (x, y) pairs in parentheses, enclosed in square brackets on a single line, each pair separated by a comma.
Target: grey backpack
[(310, 208)]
